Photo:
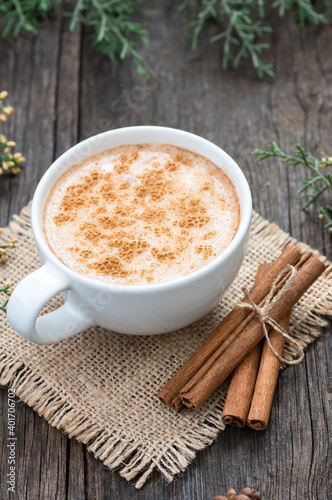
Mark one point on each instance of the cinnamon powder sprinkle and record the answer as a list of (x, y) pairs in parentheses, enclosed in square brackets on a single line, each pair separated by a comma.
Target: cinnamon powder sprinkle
[(141, 214)]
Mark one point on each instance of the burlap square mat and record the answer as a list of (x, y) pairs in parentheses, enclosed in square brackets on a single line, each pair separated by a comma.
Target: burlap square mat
[(100, 387)]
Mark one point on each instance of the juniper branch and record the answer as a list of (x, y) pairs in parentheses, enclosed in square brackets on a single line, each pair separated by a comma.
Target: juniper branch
[(314, 185)]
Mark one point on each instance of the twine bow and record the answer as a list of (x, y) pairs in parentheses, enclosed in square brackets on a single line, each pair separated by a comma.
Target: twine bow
[(263, 313)]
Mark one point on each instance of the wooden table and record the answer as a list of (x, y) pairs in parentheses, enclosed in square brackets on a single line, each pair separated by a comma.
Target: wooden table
[(62, 93)]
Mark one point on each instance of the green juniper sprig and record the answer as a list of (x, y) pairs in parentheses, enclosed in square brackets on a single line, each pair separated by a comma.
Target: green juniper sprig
[(241, 23), (24, 15), (313, 186), (304, 11), (240, 30), (113, 31), (6, 290), (9, 162)]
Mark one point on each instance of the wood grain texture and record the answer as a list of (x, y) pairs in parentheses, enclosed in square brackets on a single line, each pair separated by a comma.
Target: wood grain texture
[(63, 92)]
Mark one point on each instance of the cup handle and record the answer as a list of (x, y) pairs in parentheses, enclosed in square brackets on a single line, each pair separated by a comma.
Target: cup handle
[(28, 299)]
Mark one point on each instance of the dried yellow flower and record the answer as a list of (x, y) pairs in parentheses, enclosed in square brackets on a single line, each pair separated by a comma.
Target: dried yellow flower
[(8, 160), (8, 110)]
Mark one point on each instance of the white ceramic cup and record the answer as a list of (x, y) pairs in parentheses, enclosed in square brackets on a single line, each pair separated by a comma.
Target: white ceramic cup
[(134, 309)]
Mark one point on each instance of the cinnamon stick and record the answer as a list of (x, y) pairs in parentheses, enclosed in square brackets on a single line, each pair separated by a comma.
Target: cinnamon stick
[(238, 345), (241, 388), (266, 381), (243, 380), (170, 393), (254, 381)]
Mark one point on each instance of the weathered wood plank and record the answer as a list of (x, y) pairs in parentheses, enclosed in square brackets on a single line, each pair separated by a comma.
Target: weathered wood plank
[(32, 82), (66, 134)]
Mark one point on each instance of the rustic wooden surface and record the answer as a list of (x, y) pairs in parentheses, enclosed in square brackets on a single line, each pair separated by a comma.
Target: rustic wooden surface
[(62, 93)]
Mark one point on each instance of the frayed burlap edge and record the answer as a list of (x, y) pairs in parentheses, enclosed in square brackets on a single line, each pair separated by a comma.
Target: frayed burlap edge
[(115, 451), (112, 450)]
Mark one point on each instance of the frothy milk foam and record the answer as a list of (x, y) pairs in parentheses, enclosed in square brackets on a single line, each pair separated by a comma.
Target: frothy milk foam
[(141, 214)]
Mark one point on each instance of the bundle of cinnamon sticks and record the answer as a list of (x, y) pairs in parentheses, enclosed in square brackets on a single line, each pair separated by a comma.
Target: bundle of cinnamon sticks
[(237, 342)]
